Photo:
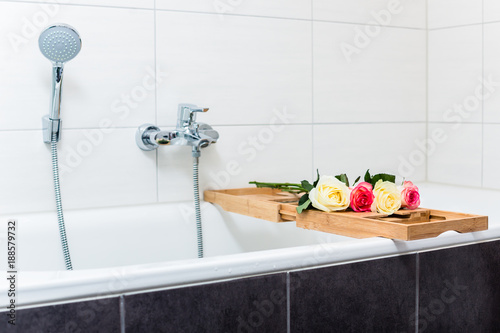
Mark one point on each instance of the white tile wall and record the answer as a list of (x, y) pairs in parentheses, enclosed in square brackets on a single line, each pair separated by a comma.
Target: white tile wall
[(382, 81), (258, 66), (446, 13), (269, 153), (491, 10), (276, 8), (491, 156), (458, 158), (26, 174), (455, 74), (379, 147), (242, 68), (492, 73), (463, 69), (97, 169), (399, 13), (106, 56), (112, 171)]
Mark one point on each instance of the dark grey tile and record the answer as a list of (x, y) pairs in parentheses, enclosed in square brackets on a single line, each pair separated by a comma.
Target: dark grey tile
[(371, 296), (460, 289), (246, 305), (91, 316)]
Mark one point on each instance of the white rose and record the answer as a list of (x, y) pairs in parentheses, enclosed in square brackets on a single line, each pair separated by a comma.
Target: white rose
[(387, 197), (330, 194)]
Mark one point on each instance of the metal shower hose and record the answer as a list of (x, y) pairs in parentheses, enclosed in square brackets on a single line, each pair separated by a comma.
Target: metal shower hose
[(60, 217), (196, 186)]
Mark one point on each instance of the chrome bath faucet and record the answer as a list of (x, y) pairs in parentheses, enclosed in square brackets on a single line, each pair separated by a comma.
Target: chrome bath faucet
[(187, 133)]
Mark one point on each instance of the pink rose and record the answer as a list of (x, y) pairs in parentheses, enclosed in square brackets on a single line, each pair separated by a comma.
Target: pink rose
[(362, 197), (410, 198)]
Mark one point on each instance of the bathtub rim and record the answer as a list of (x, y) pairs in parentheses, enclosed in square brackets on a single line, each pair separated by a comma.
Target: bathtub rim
[(69, 286)]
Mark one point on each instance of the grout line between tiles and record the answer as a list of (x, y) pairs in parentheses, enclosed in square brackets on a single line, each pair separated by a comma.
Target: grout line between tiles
[(155, 64), (288, 329), (452, 123), (156, 104), (293, 18), (482, 99), (489, 22), (417, 289), (256, 125), (75, 5), (233, 14), (455, 26), (157, 164), (337, 123), (312, 10), (369, 25), (312, 92), (122, 314), (209, 13), (464, 186), (427, 86)]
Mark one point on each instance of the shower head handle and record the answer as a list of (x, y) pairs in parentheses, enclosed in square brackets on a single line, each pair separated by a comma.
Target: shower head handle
[(51, 123), (57, 80)]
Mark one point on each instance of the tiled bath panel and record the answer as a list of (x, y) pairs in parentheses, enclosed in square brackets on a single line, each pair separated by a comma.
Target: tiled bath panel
[(369, 296), (458, 292), (460, 289), (102, 315), (246, 305)]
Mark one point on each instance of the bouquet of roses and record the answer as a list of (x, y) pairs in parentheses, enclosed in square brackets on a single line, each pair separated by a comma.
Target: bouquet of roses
[(377, 193)]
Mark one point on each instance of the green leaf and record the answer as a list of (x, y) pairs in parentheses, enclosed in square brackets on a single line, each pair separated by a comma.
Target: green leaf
[(305, 205), (306, 185), (357, 180), (384, 177), (303, 198), (368, 178), (343, 178), (317, 179)]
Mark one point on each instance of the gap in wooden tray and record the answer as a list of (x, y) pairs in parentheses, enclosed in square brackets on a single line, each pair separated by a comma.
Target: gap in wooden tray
[(407, 220), (286, 200), (400, 220), (407, 216), (437, 218)]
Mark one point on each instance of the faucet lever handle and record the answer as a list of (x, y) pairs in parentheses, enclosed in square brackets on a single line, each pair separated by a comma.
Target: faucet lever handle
[(200, 110), (186, 115)]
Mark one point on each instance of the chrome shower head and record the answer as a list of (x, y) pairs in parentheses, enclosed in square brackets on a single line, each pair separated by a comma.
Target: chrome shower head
[(60, 43)]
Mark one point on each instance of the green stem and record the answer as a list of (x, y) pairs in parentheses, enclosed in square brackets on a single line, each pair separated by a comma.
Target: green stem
[(287, 187)]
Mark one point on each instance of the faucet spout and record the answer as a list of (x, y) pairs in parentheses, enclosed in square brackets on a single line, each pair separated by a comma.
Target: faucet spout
[(163, 138)]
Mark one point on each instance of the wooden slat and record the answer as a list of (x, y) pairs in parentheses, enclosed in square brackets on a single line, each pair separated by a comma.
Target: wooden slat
[(349, 224)]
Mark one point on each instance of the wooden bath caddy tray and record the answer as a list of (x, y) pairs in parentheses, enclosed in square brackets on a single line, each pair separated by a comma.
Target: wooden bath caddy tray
[(276, 206)]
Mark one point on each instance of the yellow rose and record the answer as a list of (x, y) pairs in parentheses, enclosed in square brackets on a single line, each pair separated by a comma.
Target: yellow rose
[(330, 194), (387, 197)]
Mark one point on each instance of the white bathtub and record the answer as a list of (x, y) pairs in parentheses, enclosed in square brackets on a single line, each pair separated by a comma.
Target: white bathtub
[(128, 249)]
